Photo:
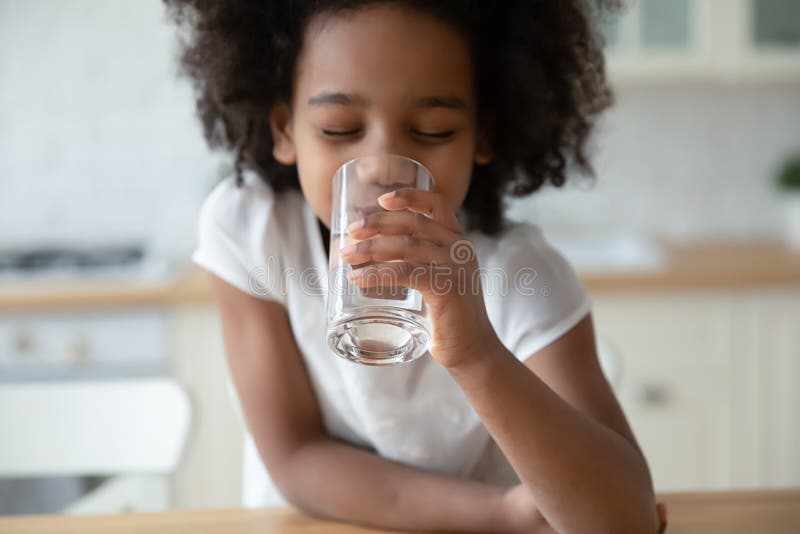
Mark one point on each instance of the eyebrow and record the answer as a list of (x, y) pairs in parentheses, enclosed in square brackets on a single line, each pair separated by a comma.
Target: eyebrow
[(352, 99)]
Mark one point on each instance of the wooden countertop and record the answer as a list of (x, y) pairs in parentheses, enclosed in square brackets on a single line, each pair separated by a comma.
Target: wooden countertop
[(717, 265), (191, 286), (711, 265), (769, 511)]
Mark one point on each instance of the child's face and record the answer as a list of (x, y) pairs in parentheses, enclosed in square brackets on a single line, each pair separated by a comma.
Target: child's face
[(365, 75)]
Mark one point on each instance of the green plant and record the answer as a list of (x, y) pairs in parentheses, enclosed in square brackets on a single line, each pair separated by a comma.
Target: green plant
[(788, 177)]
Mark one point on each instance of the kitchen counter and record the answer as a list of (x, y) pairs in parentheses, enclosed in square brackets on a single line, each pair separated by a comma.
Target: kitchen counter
[(768, 511), (187, 287), (711, 265)]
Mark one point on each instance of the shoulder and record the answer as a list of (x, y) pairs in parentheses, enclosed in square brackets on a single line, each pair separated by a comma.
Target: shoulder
[(250, 214), (241, 230), (231, 206), (520, 244), (531, 291)]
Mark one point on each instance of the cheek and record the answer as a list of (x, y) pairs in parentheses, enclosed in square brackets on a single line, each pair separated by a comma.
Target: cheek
[(320, 160), (452, 172), (316, 164), (316, 180)]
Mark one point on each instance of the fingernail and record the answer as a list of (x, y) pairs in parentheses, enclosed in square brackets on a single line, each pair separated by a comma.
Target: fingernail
[(349, 249), (387, 196), (355, 225)]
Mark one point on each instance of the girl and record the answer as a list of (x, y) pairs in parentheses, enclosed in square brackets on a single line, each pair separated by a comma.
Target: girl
[(508, 424)]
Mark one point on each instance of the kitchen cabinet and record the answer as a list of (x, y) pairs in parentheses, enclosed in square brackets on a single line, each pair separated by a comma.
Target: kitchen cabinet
[(675, 353), (653, 26), (775, 23), (707, 383), (778, 322), (707, 40)]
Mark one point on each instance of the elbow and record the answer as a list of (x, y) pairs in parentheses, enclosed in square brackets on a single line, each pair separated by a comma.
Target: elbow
[(289, 484), (298, 500), (641, 518), (645, 523), (304, 500), (292, 481), (289, 489), (296, 495), (637, 513)]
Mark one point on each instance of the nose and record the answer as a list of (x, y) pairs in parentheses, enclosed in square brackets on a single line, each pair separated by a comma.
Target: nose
[(390, 138), (386, 168), (385, 140)]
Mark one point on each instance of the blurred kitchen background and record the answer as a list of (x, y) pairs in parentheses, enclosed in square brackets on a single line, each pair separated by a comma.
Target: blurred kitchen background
[(113, 386)]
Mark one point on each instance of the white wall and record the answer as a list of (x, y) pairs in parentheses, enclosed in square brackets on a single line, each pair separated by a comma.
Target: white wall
[(685, 162), (98, 139)]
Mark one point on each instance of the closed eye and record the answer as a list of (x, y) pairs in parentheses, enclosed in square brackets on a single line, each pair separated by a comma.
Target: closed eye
[(438, 135), (336, 133)]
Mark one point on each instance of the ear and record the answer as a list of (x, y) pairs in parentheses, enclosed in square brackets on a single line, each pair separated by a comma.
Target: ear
[(280, 124), (483, 144)]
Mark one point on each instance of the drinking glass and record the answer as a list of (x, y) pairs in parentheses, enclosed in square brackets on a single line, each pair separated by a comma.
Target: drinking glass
[(381, 325)]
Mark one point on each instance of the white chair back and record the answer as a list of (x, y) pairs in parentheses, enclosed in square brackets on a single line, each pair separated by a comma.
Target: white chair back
[(91, 428), (132, 431)]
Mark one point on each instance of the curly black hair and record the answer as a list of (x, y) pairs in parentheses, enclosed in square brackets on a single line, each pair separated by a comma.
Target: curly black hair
[(540, 76)]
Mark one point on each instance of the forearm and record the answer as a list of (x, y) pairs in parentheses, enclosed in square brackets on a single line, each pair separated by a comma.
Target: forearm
[(583, 476), (332, 479)]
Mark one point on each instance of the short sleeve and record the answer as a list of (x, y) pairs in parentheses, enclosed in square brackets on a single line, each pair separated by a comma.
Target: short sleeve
[(237, 238), (543, 297)]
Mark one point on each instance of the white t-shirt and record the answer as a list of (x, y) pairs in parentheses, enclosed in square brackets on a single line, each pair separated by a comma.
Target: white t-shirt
[(413, 413)]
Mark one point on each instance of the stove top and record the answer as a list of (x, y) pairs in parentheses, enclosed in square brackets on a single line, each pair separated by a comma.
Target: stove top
[(77, 261), (60, 257)]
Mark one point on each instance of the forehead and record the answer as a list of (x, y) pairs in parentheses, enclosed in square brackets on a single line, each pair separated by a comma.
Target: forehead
[(386, 52)]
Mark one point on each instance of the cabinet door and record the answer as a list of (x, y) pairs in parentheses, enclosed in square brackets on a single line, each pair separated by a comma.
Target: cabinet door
[(667, 24), (775, 24), (778, 316), (676, 384), (668, 40), (656, 40), (765, 40), (653, 26)]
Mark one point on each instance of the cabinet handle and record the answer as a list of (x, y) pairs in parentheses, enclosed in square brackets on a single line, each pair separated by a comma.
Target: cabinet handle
[(78, 351), (651, 394), (24, 344)]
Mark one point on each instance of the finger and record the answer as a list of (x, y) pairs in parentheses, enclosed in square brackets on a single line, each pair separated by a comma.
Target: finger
[(395, 248), (428, 203), (384, 275), (400, 274), (402, 222)]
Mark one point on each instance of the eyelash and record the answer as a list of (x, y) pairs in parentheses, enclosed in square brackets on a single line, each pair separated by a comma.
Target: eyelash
[(437, 135)]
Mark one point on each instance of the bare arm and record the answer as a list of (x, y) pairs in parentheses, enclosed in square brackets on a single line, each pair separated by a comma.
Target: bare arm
[(341, 482), (557, 421), (316, 473)]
